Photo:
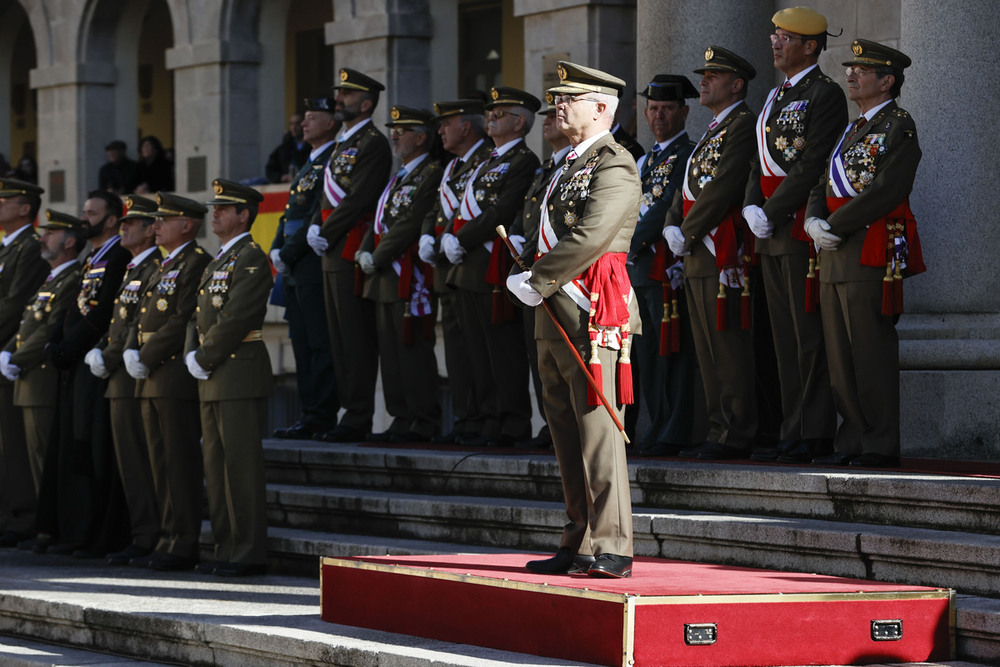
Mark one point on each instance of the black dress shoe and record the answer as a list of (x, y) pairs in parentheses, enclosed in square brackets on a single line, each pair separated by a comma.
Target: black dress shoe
[(873, 460), (835, 459), (341, 433), (208, 566), (297, 431), (806, 451), (89, 553), (240, 569), (612, 566), (144, 561), (716, 451), (540, 441), (10, 539), (660, 449), (39, 544), (563, 562), (769, 454), (172, 563), (693, 452), (123, 557), (64, 549)]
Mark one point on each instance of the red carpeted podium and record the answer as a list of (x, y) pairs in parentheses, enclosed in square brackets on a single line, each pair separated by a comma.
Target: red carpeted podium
[(668, 613)]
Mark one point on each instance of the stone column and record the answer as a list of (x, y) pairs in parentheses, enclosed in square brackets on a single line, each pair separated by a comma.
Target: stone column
[(672, 36), (595, 33), (389, 41), (950, 336), (215, 102)]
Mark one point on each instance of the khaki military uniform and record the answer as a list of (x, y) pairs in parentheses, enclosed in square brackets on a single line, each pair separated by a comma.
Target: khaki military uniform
[(588, 445), (801, 128), (226, 337), (409, 369), (360, 165), (169, 398), (22, 271), (861, 343)]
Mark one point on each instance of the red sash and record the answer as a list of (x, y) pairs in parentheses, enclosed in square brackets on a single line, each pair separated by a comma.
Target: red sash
[(355, 237), (768, 185), (880, 239), (726, 249)]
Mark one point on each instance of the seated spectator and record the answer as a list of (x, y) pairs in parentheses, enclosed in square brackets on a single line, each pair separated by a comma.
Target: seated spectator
[(27, 170), (119, 174), (156, 173)]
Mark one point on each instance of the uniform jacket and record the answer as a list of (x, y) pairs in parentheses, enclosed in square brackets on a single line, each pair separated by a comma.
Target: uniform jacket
[(526, 224), (232, 302), (22, 271), (38, 384), (164, 313), (407, 206), (499, 190), (802, 129), (628, 142), (717, 176), (661, 178), (589, 222), (882, 162), (304, 198), (126, 306), (361, 167)]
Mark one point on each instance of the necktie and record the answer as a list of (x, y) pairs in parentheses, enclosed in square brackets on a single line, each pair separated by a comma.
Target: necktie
[(569, 161), (401, 173), (785, 86), (494, 154), (131, 265), (654, 152), (858, 124)]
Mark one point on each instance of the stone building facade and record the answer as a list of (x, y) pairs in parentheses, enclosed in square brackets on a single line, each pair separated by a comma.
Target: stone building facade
[(216, 80)]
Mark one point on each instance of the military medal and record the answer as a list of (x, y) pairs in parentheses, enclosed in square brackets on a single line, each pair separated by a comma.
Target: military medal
[(123, 312), (217, 301), (161, 305), (570, 219)]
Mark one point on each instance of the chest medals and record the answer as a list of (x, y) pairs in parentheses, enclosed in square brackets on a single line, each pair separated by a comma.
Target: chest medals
[(93, 277), (486, 189), (129, 297), (165, 288), (706, 161), (656, 180), (41, 305), (306, 184), (343, 164), (861, 160), (790, 137), (218, 286)]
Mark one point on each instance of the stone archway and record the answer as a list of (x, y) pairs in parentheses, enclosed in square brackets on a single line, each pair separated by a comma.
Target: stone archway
[(19, 115)]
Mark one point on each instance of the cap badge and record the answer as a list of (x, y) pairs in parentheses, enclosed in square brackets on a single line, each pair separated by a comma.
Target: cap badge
[(858, 49), (218, 189), (550, 98), (395, 113), (48, 215), (437, 109), (128, 202), (709, 54), (561, 71), (495, 94), (159, 199), (343, 75)]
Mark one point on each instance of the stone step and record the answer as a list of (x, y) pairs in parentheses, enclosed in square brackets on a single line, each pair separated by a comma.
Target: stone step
[(185, 618), (937, 501), (963, 561)]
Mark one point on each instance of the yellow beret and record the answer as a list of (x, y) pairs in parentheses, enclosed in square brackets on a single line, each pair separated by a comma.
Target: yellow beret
[(800, 20)]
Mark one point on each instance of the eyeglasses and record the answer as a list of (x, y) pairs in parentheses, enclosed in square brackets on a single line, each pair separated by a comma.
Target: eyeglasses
[(783, 38), (858, 70), (399, 131), (569, 99)]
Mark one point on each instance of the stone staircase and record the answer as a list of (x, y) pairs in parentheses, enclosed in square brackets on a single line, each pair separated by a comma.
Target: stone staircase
[(339, 500)]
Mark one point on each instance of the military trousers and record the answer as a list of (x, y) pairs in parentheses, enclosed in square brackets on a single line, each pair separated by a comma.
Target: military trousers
[(351, 324)]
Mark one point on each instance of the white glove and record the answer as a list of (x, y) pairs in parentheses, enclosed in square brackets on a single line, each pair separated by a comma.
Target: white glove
[(95, 360), (452, 248), (194, 368), (315, 241), (7, 369), (133, 366), (365, 261), (675, 239), (518, 243), (520, 287), (425, 249), (761, 227), (276, 260), (819, 231)]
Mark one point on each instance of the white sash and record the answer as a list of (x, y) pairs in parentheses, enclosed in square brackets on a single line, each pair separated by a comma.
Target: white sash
[(707, 239), (449, 200), (334, 193), (841, 185), (767, 164), (469, 209)]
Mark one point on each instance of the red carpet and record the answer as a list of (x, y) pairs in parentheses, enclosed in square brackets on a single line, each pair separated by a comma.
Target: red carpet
[(667, 613)]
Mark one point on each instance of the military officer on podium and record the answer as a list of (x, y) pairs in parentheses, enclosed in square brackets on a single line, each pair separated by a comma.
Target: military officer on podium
[(354, 178), (22, 271), (399, 285), (23, 360), (588, 215), (226, 354), (666, 367), (461, 126), (302, 274), (105, 361), (154, 353), (704, 226), (859, 216), (798, 127), (491, 325)]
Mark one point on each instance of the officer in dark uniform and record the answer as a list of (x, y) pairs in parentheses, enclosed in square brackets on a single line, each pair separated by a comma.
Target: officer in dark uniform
[(227, 356), (22, 271), (302, 276), (666, 367), (105, 361)]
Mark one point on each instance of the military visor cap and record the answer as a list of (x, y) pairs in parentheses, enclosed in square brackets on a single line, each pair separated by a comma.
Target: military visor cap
[(57, 220), (550, 105), (228, 193), (319, 104), (507, 96), (174, 206), (401, 116), (139, 207), (800, 20), (11, 187), (669, 88), (718, 59), (874, 54), (467, 107), (352, 79), (576, 79)]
